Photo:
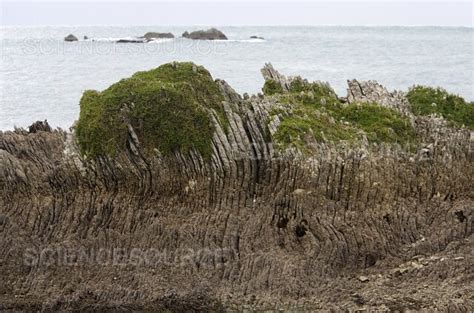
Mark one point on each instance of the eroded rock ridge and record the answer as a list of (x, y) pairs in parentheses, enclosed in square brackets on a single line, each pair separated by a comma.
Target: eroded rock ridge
[(331, 218)]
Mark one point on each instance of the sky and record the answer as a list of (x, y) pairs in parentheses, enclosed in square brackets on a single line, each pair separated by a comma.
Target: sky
[(230, 12)]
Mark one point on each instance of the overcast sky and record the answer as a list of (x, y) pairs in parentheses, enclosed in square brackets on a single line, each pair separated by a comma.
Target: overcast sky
[(228, 12)]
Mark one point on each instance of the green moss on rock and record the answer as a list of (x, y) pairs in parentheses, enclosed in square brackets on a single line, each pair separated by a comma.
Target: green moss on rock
[(427, 100), (381, 124), (271, 87), (303, 90), (307, 123), (317, 114), (168, 107), (315, 90)]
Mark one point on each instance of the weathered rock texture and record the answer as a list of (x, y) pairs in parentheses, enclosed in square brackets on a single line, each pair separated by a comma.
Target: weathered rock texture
[(371, 91), (371, 226)]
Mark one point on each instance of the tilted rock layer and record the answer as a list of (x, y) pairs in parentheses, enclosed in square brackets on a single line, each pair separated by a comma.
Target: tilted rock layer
[(342, 226)]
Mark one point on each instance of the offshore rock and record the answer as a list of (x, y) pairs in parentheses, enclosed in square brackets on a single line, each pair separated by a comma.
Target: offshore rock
[(254, 225), (155, 35), (132, 40), (70, 37), (210, 34)]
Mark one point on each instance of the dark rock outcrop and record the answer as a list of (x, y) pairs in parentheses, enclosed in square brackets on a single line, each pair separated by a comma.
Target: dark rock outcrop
[(150, 36), (155, 35), (210, 34), (39, 126), (255, 224), (70, 37)]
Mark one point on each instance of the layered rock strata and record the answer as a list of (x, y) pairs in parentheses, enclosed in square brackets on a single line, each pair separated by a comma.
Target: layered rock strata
[(339, 227)]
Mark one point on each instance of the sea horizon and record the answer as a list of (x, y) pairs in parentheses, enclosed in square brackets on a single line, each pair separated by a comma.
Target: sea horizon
[(240, 25)]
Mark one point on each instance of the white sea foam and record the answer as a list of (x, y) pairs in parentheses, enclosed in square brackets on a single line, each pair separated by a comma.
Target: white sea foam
[(110, 39), (252, 40), (161, 40), (115, 39)]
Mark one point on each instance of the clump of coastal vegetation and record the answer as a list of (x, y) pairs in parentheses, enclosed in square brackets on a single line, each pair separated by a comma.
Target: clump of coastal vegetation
[(428, 100), (312, 111), (380, 124), (271, 87), (168, 108)]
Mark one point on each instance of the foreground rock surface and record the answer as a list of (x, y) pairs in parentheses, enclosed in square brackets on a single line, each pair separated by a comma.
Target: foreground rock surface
[(343, 227), (210, 34)]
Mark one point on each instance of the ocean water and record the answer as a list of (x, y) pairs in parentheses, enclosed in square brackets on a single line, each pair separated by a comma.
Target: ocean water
[(43, 77)]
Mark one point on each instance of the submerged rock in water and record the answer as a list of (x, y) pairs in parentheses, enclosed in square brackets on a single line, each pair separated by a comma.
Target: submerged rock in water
[(210, 34), (174, 193), (132, 40), (70, 37)]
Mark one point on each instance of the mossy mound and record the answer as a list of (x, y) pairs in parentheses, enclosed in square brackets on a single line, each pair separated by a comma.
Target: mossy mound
[(304, 91), (271, 87), (318, 90), (314, 112), (427, 100), (168, 108), (380, 124)]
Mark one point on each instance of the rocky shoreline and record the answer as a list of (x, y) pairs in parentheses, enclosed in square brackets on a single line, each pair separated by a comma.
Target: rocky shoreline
[(200, 199)]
